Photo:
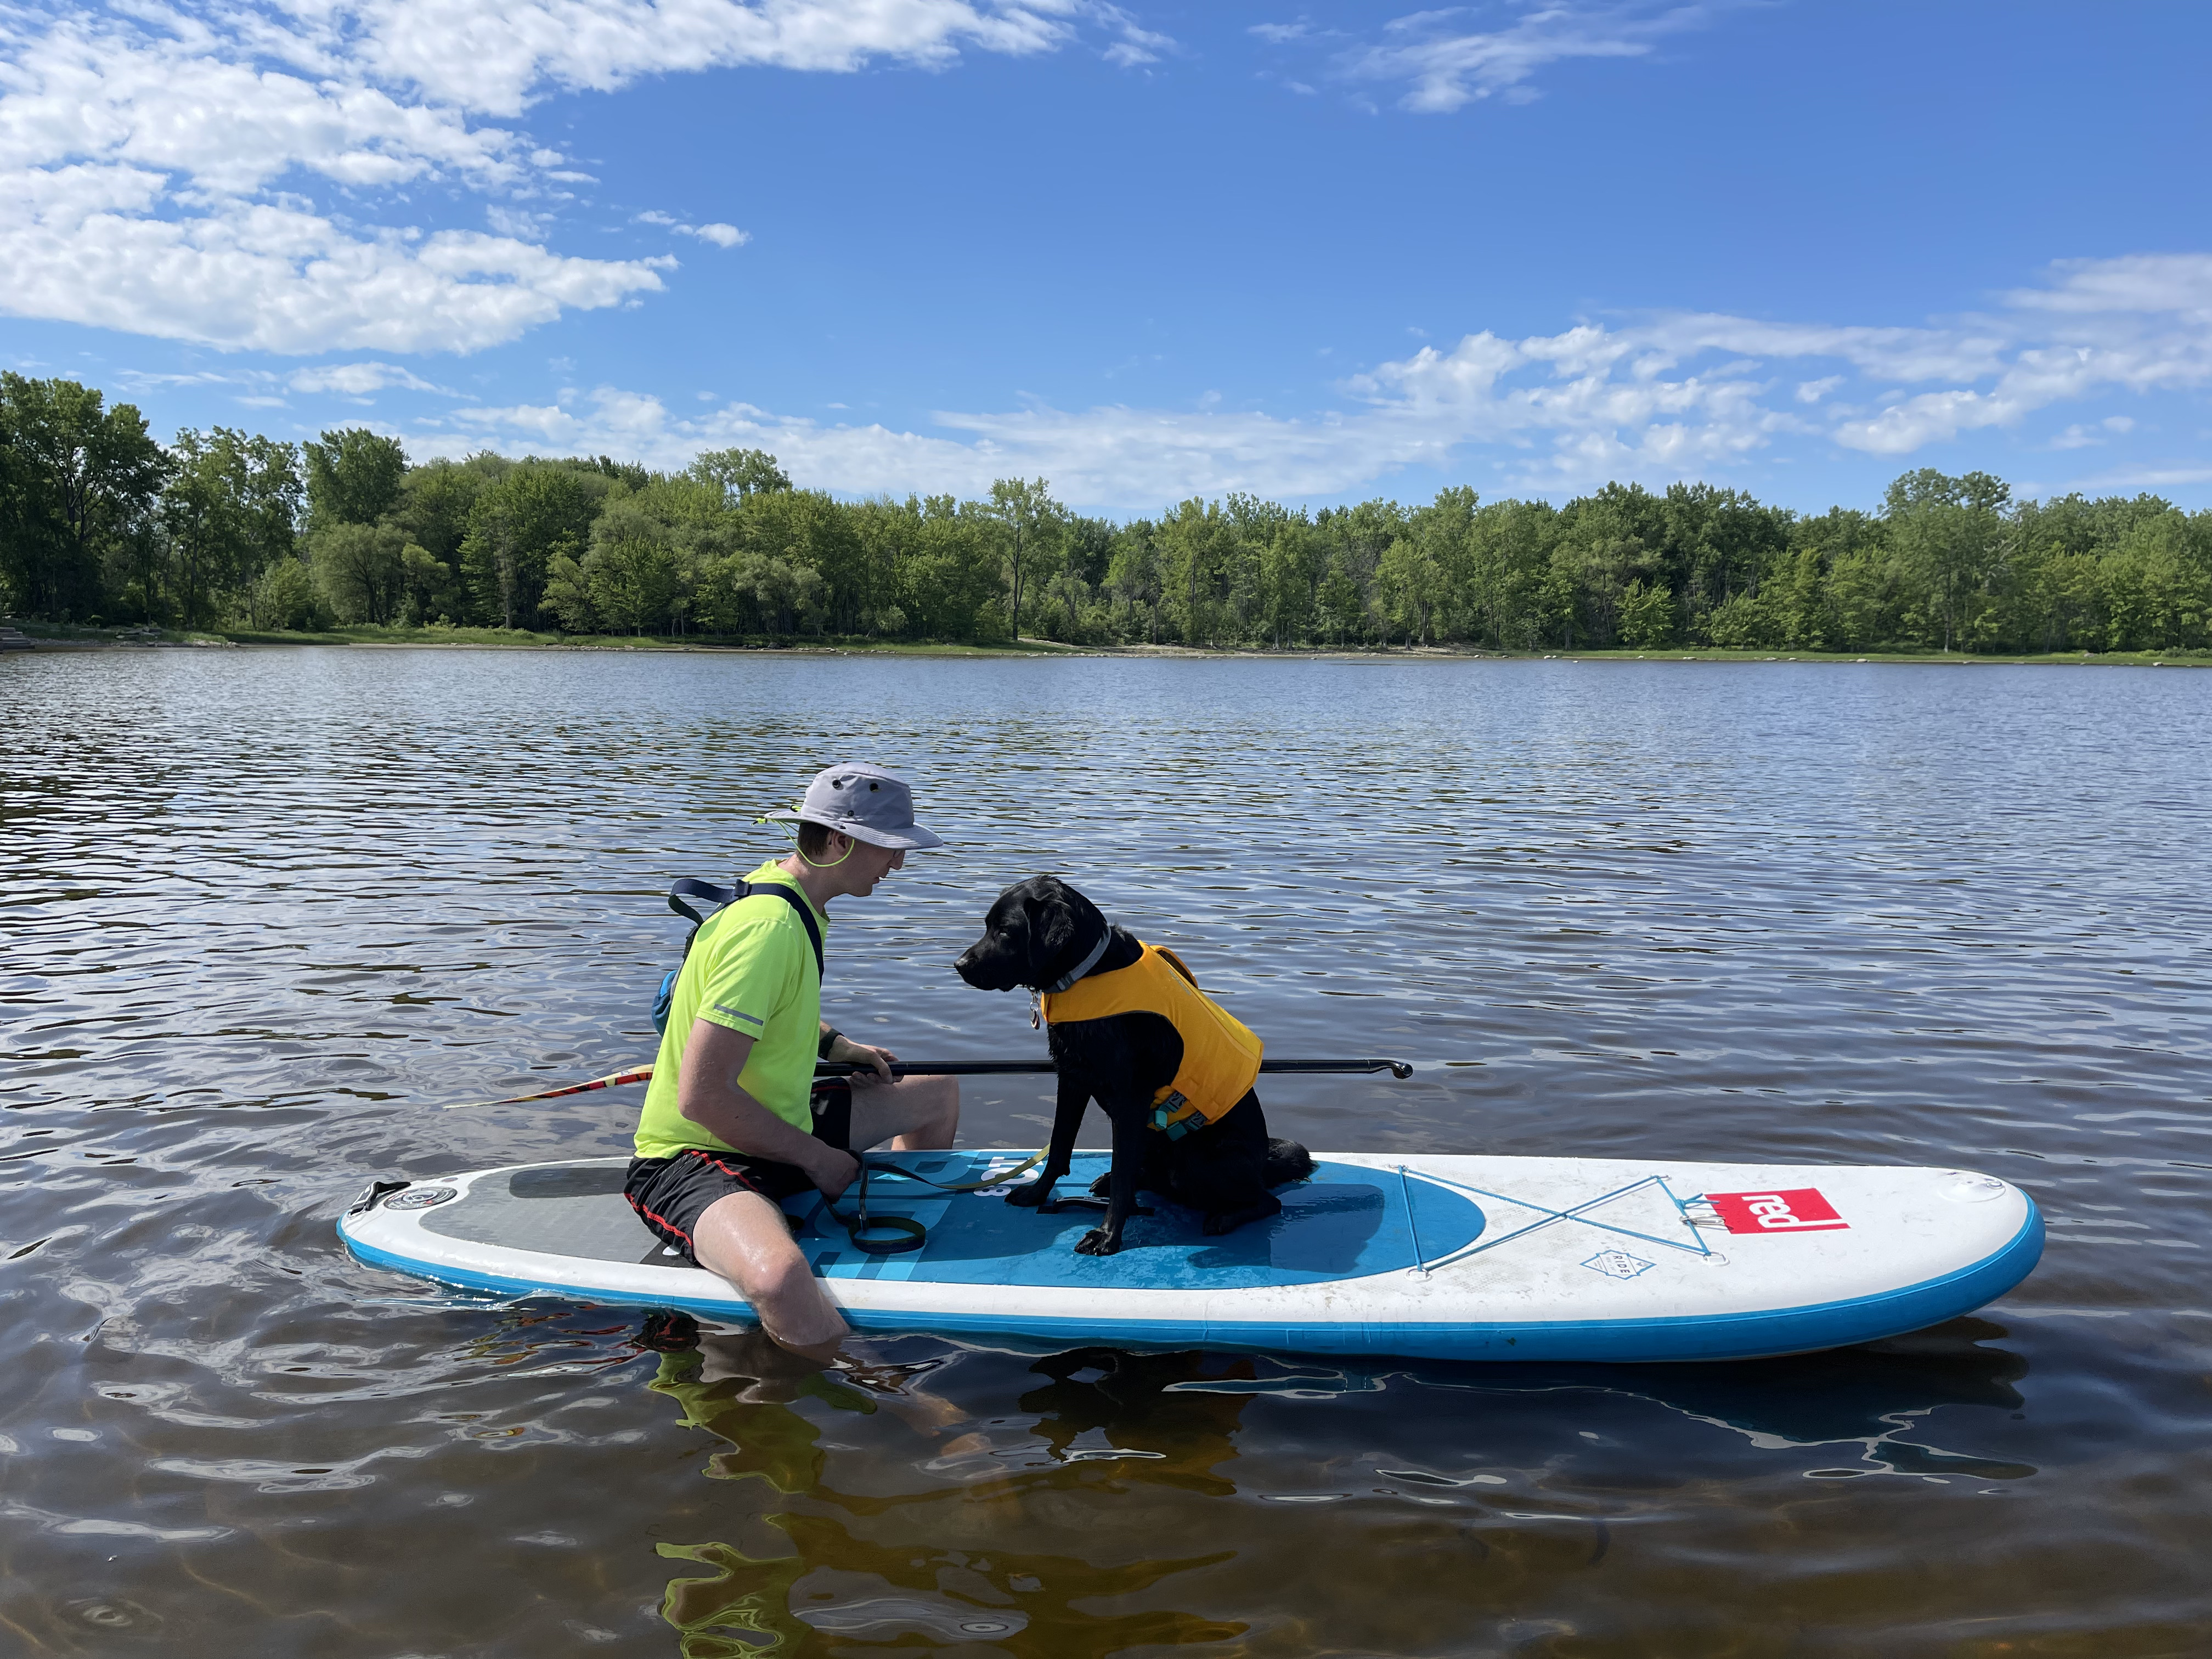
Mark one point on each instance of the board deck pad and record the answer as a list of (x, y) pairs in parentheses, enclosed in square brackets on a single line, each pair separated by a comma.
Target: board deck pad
[(1342, 1223), (1441, 1256)]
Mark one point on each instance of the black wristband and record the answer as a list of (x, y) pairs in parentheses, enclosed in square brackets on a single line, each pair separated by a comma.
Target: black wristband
[(829, 1036)]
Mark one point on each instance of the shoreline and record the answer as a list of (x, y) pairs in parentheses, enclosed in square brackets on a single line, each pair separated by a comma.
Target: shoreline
[(50, 637)]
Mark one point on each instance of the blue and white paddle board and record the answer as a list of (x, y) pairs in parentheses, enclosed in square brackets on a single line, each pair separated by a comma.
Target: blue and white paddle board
[(1446, 1258)]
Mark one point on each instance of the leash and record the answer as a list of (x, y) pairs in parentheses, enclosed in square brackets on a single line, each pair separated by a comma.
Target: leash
[(909, 1234)]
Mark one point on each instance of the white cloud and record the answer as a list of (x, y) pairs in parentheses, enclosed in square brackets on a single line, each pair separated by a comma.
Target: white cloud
[(2143, 477), (274, 278), (496, 56), (720, 235), (1444, 65), (2082, 437), (2144, 283), (164, 171), (357, 380), (1668, 397)]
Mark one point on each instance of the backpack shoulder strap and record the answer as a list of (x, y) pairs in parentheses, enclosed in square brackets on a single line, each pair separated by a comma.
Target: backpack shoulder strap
[(691, 887), (797, 903)]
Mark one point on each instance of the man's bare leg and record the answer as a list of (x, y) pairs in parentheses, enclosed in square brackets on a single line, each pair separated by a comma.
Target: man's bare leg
[(914, 1114), (744, 1239)]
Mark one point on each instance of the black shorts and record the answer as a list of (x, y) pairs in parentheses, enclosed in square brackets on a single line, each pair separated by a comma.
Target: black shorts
[(671, 1194)]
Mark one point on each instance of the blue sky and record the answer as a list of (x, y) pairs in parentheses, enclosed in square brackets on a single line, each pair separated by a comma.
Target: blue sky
[(1146, 250)]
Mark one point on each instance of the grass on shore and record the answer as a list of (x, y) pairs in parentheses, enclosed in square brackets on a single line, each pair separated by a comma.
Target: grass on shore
[(520, 639), (524, 638)]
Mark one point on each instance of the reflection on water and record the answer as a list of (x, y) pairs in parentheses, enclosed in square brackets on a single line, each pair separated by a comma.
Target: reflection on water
[(1165, 1428), (838, 1579), (264, 912)]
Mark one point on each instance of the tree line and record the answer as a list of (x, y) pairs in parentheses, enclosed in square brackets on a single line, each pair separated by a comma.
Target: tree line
[(99, 522)]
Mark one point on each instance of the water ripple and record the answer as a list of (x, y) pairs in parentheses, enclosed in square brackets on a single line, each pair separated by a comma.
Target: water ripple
[(265, 912)]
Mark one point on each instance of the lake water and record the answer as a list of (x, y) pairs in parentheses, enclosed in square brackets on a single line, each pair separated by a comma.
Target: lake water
[(265, 912)]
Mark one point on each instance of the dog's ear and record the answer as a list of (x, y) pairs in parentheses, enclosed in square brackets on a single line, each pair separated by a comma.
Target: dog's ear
[(1067, 926), (1052, 924)]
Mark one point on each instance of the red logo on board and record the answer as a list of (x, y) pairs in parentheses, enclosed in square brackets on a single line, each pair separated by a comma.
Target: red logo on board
[(1792, 1210)]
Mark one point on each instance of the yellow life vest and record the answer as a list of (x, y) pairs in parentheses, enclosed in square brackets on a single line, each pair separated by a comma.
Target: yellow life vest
[(1220, 1057)]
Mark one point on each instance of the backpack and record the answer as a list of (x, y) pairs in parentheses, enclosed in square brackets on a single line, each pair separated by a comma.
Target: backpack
[(722, 897)]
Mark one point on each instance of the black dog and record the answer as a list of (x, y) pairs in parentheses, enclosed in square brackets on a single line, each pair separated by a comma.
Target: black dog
[(1041, 932)]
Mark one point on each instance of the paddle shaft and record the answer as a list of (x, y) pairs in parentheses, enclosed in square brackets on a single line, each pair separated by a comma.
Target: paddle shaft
[(1397, 1068)]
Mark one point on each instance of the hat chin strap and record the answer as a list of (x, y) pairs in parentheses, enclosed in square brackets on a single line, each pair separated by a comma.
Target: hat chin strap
[(1085, 965)]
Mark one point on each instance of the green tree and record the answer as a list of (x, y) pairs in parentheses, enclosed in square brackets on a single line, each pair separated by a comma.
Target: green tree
[(354, 476), (568, 595), (1196, 541), (83, 480), (285, 596), (363, 568), (1505, 588), (804, 530), (1031, 526), (738, 473), (1133, 578), (1289, 576), (632, 568), (1421, 578), (1339, 602), (519, 524), (203, 517), (949, 569), (1947, 534), (435, 502), (272, 491), (1647, 617), (229, 511)]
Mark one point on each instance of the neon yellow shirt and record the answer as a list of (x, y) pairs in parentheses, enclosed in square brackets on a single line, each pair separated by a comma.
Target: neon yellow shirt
[(751, 969)]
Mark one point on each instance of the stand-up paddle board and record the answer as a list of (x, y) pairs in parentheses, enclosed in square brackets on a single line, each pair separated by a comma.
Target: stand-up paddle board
[(1446, 1258)]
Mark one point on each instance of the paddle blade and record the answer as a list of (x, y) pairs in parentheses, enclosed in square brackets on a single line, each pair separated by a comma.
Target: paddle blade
[(612, 1080)]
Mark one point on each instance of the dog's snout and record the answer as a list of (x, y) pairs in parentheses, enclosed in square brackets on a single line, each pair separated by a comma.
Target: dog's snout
[(973, 965)]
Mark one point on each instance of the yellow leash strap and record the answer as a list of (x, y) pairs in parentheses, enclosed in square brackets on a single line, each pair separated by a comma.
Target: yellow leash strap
[(987, 1182)]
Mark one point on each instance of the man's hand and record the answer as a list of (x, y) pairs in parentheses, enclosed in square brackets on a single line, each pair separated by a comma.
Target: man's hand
[(850, 1053), (832, 1171)]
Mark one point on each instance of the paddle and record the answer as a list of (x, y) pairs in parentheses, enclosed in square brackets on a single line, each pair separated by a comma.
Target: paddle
[(612, 1080), (1397, 1068)]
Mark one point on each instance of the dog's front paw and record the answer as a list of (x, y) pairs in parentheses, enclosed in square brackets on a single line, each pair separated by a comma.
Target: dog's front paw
[(1097, 1241), (1030, 1194)]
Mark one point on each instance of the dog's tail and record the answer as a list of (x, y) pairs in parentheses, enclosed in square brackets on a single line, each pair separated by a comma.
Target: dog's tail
[(1287, 1161)]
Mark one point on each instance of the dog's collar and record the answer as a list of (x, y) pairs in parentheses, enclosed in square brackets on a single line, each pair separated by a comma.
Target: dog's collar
[(1084, 966)]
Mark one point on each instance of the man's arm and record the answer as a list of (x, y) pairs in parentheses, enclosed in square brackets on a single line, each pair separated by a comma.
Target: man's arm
[(843, 1048), (707, 1093)]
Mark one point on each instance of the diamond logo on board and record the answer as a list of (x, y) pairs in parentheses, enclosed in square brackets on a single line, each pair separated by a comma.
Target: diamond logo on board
[(1787, 1210), (1617, 1264)]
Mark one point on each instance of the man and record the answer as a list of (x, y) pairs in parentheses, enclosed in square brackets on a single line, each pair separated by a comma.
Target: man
[(734, 1122)]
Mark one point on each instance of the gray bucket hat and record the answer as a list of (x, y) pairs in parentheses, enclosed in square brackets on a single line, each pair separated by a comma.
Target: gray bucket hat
[(865, 802)]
